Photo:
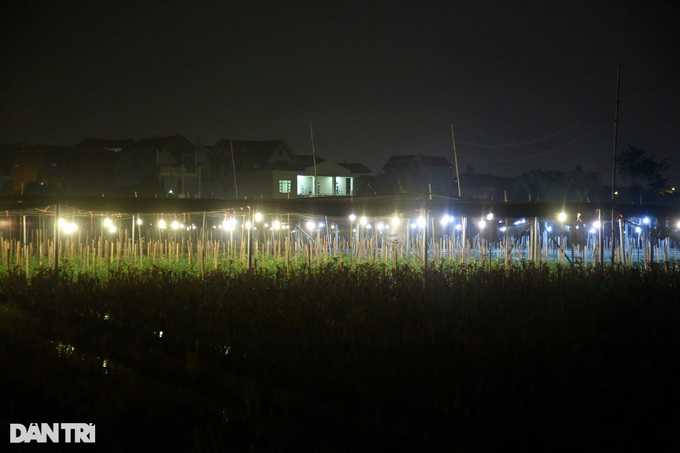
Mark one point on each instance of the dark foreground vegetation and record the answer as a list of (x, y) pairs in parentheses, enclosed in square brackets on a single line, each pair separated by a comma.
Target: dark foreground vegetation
[(367, 358)]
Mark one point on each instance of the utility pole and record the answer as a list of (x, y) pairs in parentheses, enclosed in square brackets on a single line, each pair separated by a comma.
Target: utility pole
[(616, 138), (463, 219), (233, 167), (455, 161)]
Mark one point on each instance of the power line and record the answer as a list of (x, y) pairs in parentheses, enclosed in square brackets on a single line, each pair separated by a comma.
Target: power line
[(536, 140), (507, 145), (552, 150)]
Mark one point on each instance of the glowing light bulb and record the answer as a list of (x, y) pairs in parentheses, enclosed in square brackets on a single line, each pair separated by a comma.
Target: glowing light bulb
[(395, 221)]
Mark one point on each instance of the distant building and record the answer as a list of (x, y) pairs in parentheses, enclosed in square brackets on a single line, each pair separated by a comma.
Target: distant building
[(230, 164), (415, 174), (483, 186), (361, 174), (297, 179), (33, 169), (6, 168), (270, 169), (160, 166), (173, 166), (94, 166)]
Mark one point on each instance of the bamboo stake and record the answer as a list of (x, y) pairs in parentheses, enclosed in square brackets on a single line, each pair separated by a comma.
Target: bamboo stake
[(201, 258), (118, 254), (191, 256)]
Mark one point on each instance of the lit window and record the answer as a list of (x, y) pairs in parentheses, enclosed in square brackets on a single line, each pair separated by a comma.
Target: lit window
[(284, 185)]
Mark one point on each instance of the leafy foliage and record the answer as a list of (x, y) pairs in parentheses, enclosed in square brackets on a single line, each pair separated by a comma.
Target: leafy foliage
[(644, 170)]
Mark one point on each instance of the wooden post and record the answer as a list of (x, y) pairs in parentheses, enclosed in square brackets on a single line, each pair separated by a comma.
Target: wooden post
[(56, 237)]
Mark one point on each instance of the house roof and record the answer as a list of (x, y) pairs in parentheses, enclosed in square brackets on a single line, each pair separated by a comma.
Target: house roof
[(255, 153), (104, 144), (174, 143), (308, 160), (171, 149)]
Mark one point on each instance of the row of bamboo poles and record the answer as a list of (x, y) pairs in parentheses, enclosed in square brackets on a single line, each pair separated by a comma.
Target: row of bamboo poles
[(212, 253)]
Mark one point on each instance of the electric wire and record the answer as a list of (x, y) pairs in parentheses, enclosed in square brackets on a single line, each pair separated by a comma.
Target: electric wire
[(539, 139), (506, 145), (543, 153)]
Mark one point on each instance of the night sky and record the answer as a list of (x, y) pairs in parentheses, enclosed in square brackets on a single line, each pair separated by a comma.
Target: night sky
[(526, 85)]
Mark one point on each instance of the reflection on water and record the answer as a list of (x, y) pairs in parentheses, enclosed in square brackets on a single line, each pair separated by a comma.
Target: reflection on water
[(68, 351), (64, 350)]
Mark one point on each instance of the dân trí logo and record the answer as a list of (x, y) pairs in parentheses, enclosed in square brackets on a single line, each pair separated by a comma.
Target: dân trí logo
[(52, 432)]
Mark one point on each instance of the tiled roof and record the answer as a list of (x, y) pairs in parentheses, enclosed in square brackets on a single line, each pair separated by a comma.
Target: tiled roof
[(255, 153), (171, 143), (103, 143)]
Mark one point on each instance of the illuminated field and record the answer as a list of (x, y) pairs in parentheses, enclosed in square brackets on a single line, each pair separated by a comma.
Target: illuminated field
[(93, 239)]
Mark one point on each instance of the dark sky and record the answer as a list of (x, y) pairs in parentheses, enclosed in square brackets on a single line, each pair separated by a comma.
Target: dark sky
[(525, 84)]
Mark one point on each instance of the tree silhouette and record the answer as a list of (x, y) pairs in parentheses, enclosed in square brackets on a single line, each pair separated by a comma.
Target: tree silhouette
[(644, 171)]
